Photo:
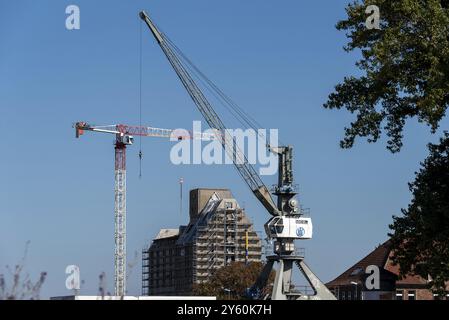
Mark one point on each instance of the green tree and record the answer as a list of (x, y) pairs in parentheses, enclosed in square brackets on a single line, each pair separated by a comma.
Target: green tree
[(231, 281), (404, 74), (404, 69), (420, 237)]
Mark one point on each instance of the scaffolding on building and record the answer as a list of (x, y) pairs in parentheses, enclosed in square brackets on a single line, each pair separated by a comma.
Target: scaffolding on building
[(227, 237), (218, 234), (145, 272)]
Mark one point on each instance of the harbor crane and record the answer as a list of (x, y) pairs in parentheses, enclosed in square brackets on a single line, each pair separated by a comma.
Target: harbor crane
[(288, 222), (124, 136)]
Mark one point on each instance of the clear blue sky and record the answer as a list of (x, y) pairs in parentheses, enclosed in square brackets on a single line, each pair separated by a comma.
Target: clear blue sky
[(279, 60)]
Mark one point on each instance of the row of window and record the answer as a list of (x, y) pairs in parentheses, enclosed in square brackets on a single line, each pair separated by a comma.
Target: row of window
[(159, 261), (161, 283), (157, 284), (411, 295), (162, 252), (400, 295), (439, 297), (169, 275), (348, 295)]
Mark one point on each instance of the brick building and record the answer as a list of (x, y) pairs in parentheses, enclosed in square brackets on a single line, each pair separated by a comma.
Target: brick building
[(351, 284), (218, 233)]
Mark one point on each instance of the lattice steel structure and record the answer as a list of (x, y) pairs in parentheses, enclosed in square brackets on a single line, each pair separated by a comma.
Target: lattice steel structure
[(120, 218), (124, 137), (286, 211)]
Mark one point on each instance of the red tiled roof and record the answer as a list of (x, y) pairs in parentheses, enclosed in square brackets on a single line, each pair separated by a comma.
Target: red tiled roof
[(381, 257), (408, 279), (378, 257)]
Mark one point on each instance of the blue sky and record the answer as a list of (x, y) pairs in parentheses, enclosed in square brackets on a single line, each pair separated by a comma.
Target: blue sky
[(279, 60)]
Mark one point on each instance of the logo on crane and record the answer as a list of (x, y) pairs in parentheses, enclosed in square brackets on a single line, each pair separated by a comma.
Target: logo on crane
[(300, 232)]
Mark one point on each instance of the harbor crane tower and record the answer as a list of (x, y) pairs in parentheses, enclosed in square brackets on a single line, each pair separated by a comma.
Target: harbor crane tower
[(287, 223)]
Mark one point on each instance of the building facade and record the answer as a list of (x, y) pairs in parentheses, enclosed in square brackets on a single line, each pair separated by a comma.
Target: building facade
[(219, 233), (355, 284)]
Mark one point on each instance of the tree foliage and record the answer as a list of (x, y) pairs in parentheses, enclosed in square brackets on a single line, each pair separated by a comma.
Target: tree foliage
[(231, 281), (420, 237), (404, 69)]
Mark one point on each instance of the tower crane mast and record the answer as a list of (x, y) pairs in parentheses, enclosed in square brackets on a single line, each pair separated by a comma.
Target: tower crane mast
[(124, 136)]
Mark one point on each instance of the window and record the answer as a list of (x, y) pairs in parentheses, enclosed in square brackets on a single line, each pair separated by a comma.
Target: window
[(349, 295), (412, 295), (399, 295), (436, 297), (356, 271), (279, 228)]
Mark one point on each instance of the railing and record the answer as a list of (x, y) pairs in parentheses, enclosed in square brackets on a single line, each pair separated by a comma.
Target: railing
[(302, 289), (268, 250)]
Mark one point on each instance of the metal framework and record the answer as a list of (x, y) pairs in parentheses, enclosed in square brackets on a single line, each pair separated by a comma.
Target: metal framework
[(227, 236), (124, 136), (120, 219), (286, 205), (286, 255), (246, 170), (123, 130)]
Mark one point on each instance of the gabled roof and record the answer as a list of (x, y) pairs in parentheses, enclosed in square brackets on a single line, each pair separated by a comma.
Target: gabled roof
[(378, 257), (408, 279), (381, 257)]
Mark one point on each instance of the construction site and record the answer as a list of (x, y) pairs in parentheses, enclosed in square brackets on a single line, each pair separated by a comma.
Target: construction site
[(107, 195), (218, 233)]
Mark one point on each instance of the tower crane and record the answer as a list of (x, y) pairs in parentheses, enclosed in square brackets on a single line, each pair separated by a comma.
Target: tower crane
[(124, 136), (287, 223)]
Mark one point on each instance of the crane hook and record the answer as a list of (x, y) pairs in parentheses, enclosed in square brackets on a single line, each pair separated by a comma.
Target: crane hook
[(140, 163)]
